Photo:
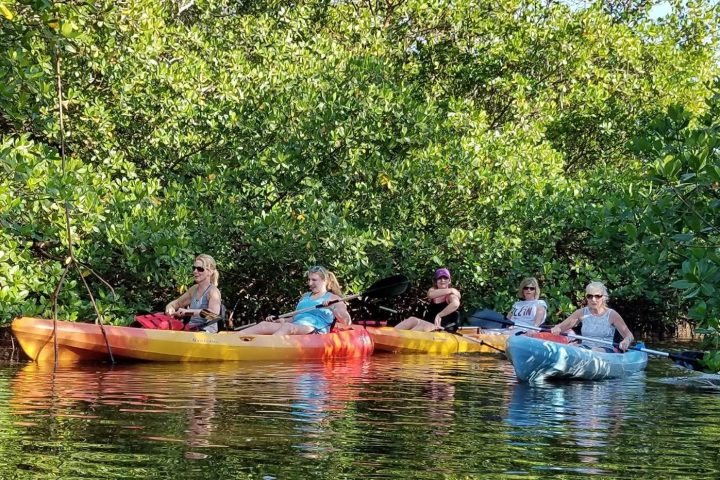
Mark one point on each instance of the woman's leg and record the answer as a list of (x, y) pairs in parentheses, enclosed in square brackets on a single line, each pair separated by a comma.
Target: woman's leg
[(294, 329), (415, 323), (408, 323), (424, 326), (262, 328)]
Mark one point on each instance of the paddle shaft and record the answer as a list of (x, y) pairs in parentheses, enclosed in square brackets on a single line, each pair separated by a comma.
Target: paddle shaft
[(470, 339), (310, 309), (387, 287), (605, 342), (477, 340)]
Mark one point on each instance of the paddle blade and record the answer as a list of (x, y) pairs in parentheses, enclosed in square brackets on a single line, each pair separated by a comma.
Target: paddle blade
[(488, 319), (690, 360), (387, 287)]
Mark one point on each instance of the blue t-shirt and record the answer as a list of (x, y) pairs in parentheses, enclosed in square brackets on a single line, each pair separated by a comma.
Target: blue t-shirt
[(319, 318)]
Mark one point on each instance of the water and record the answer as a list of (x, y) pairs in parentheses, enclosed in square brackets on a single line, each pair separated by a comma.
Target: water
[(388, 416)]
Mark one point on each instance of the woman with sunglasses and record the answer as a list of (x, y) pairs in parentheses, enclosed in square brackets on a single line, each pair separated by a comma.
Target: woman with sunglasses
[(598, 320), (442, 313), (529, 309), (324, 289), (204, 295)]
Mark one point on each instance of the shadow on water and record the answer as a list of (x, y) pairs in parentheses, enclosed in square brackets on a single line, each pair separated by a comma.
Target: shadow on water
[(388, 416)]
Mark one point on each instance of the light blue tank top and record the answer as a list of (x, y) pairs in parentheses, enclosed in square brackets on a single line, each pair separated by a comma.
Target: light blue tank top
[(200, 303), (597, 327), (319, 318)]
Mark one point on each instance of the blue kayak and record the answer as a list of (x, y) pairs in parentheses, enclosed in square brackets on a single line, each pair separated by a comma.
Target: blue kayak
[(536, 360)]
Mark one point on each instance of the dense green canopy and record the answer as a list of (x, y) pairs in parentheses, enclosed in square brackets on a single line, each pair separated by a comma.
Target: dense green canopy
[(499, 138)]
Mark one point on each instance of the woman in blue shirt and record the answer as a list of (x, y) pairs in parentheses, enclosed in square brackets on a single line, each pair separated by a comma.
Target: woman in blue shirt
[(324, 288)]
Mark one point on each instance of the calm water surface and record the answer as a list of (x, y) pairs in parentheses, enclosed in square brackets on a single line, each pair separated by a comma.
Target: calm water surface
[(388, 416)]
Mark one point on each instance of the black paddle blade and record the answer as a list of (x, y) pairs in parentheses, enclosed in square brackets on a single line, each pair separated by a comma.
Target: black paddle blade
[(488, 319), (690, 360), (387, 287)]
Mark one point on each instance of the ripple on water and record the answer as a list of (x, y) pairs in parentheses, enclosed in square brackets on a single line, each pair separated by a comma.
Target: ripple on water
[(390, 416)]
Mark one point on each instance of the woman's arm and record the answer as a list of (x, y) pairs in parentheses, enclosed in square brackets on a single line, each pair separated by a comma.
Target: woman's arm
[(434, 293), (453, 303), (182, 301), (539, 315), (215, 301), (622, 327), (340, 311), (568, 323)]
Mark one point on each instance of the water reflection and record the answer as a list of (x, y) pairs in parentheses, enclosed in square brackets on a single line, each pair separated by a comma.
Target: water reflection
[(389, 416), (584, 416)]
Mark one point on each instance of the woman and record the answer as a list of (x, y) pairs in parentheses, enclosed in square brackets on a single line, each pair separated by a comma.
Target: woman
[(598, 321), (529, 309), (204, 295), (324, 288), (442, 312)]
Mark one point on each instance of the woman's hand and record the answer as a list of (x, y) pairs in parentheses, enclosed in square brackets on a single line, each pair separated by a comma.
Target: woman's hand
[(625, 344), (556, 330), (170, 309), (274, 319), (181, 312)]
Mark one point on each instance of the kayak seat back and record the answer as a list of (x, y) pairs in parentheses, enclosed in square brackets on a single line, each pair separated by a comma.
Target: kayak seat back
[(158, 321)]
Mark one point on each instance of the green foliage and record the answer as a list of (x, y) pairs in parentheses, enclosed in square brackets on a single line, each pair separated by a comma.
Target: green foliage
[(677, 217), (489, 138)]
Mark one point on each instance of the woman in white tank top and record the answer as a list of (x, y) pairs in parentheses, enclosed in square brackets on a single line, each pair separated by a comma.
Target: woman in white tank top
[(598, 321)]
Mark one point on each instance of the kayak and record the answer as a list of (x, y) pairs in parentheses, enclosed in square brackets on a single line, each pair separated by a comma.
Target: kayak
[(79, 342), (389, 339), (537, 359)]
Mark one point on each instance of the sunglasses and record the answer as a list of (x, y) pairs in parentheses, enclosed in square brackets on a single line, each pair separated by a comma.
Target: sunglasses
[(199, 269), (590, 296), (532, 289)]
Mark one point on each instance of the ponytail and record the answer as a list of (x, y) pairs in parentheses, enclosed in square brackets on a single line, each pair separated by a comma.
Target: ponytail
[(333, 285)]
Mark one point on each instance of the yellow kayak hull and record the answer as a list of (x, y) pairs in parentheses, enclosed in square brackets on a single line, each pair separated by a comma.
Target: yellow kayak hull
[(389, 339), (77, 342)]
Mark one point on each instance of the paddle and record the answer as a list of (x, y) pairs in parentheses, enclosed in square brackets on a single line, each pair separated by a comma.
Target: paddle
[(486, 319), (690, 362), (476, 340), (449, 329), (387, 287)]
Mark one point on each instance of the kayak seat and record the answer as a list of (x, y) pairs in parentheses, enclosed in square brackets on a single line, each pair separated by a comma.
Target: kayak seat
[(157, 321)]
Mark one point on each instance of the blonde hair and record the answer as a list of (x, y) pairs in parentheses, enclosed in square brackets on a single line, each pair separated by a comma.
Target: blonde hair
[(529, 282), (598, 286), (209, 262), (331, 282)]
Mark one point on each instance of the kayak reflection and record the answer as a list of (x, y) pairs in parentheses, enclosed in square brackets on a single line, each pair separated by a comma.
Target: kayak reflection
[(584, 419)]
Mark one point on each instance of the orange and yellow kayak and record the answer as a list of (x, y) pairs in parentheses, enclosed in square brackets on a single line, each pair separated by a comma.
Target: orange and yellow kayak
[(389, 339), (77, 342)]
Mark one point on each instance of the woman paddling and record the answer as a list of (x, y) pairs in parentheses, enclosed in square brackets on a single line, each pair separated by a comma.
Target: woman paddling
[(598, 321), (442, 313), (204, 295), (324, 288), (529, 309)]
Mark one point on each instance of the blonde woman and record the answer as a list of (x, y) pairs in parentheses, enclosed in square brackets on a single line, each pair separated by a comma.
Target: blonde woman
[(529, 309), (598, 320), (204, 295), (324, 288)]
